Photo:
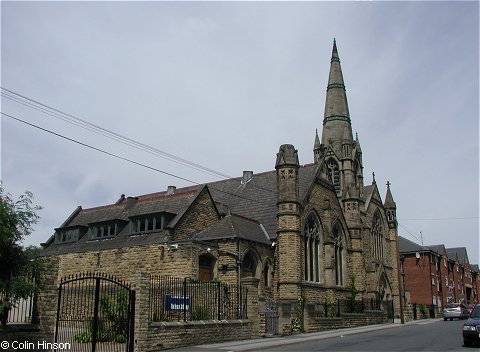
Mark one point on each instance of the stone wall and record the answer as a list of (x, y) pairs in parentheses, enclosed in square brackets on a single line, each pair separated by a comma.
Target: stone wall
[(347, 321)]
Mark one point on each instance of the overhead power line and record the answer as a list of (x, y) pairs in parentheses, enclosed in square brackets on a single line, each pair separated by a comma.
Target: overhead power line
[(69, 118), (128, 160)]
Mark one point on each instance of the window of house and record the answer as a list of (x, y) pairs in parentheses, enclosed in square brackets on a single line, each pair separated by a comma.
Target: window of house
[(69, 234), (312, 243), (106, 229), (150, 223)]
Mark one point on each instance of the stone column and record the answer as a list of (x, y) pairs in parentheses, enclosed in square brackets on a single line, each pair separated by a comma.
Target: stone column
[(47, 297), (141, 285), (251, 284)]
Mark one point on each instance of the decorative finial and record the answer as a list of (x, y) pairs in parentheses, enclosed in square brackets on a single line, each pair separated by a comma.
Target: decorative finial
[(388, 184), (373, 174)]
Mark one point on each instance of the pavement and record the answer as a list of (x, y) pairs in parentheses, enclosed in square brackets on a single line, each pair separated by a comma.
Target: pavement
[(266, 342)]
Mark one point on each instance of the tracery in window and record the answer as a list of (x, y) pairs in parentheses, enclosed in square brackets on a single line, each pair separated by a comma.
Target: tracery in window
[(312, 237), (377, 237), (338, 253), (334, 174)]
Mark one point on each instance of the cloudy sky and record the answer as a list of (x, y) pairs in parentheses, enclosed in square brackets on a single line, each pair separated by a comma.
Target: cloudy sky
[(224, 84)]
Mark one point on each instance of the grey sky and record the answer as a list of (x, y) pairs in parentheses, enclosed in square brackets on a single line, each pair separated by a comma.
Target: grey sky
[(224, 84)]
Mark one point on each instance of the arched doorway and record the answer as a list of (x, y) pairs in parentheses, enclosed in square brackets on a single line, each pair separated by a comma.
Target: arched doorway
[(206, 264)]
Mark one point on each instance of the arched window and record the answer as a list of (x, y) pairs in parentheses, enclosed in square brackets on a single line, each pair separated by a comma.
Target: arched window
[(267, 274), (206, 263), (249, 265), (312, 236), (377, 237), (334, 174), (337, 235)]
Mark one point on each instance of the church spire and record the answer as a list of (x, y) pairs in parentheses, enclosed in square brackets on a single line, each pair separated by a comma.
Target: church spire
[(337, 115), (317, 150), (390, 207)]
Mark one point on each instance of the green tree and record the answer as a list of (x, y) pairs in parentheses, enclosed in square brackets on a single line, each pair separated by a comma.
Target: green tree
[(18, 265)]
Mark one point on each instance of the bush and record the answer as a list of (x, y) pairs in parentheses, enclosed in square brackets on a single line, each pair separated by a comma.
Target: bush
[(200, 313)]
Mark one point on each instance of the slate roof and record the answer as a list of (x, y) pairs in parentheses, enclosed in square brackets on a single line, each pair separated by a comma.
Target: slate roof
[(257, 199), (234, 226), (437, 248), (176, 203), (460, 252), (407, 246), (254, 204), (474, 268)]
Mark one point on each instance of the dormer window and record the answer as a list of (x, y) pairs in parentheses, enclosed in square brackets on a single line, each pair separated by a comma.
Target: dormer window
[(69, 234), (149, 223), (106, 229)]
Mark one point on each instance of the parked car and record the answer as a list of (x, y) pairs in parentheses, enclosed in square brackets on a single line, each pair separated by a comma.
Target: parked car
[(471, 328), (469, 308), (455, 310)]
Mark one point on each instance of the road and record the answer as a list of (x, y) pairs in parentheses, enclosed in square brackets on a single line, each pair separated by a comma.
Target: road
[(421, 335), (432, 335)]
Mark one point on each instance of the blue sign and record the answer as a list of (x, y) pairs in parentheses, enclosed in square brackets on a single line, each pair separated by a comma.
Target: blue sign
[(177, 303)]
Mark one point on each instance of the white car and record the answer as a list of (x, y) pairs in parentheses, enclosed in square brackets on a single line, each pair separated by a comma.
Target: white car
[(455, 310)]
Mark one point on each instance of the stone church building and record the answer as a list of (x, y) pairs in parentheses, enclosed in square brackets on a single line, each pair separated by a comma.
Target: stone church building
[(301, 230)]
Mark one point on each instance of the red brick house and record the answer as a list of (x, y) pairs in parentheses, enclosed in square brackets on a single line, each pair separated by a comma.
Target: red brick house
[(435, 275)]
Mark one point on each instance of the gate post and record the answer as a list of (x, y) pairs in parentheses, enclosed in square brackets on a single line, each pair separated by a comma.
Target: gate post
[(141, 285), (252, 304)]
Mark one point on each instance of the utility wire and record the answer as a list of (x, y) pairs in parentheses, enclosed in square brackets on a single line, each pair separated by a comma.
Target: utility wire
[(126, 159), (34, 104), (69, 118), (418, 239)]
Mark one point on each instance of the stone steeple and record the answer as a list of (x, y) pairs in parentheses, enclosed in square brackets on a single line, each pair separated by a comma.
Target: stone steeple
[(342, 153), (336, 122), (390, 207), (317, 150)]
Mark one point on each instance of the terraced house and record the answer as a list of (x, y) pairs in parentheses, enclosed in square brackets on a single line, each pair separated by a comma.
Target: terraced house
[(435, 275), (298, 239)]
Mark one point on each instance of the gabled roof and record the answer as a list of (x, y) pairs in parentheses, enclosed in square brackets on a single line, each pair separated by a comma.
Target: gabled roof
[(460, 253), (474, 268), (234, 226), (159, 202), (257, 199), (438, 248), (407, 246), (370, 193)]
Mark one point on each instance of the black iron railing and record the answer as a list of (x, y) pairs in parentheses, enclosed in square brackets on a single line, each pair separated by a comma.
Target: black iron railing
[(345, 306), (177, 299)]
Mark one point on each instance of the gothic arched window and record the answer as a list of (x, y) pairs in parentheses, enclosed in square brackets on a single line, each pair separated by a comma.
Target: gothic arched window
[(377, 237), (312, 236), (337, 235), (249, 265), (334, 174)]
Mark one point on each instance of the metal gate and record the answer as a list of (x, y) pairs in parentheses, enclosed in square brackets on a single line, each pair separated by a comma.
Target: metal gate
[(271, 316), (95, 312), (390, 311)]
